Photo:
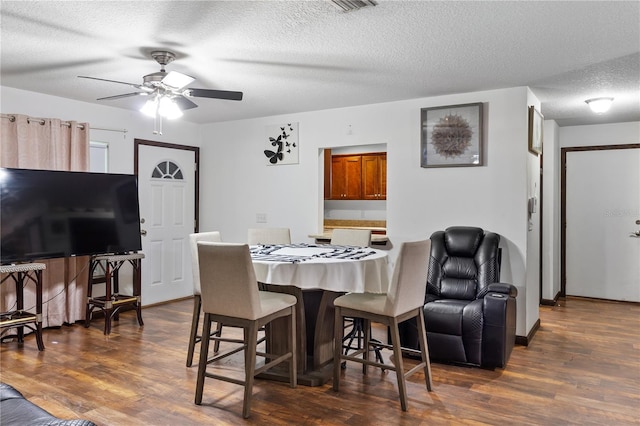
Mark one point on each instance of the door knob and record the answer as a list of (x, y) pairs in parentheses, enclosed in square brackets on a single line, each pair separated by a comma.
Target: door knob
[(143, 232), (638, 222), (635, 234)]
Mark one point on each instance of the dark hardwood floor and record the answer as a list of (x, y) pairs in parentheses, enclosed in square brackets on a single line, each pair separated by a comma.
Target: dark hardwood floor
[(582, 367)]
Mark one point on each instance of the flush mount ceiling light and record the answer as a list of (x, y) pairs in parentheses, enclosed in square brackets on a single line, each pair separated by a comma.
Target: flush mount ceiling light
[(349, 5), (599, 105)]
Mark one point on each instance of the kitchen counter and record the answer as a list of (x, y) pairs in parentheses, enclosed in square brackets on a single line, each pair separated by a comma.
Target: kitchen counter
[(377, 227), (325, 237)]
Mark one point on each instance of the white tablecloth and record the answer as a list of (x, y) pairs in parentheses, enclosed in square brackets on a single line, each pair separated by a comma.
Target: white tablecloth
[(363, 269)]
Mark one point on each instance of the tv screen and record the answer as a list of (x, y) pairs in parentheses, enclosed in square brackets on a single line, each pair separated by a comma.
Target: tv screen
[(50, 214)]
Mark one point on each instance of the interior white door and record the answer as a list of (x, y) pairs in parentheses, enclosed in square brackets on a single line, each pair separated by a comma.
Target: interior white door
[(166, 185), (602, 210)]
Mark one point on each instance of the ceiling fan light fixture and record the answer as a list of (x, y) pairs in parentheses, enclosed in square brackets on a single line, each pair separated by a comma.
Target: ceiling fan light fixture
[(349, 5), (599, 105), (150, 108), (168, 108)]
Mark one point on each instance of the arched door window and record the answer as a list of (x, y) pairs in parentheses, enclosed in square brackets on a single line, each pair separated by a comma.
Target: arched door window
[(167, 170)]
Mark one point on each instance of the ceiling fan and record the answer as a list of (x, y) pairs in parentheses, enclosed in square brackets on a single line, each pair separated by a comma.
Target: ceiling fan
[(169, 86)]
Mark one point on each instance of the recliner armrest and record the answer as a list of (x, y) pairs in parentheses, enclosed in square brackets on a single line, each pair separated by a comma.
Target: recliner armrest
[(502, 288)]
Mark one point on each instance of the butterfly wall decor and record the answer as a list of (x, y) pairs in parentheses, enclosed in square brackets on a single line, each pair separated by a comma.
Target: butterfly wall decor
[(282, 144)]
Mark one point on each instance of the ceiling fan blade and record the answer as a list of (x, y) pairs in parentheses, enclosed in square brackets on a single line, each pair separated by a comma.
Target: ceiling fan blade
[(126, 95), (137, 86), (177, 80), (185, 103), (216, 94)]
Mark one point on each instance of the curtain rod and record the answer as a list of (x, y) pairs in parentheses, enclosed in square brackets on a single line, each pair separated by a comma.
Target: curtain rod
[(41, 121), (64, 123), (110, 130)]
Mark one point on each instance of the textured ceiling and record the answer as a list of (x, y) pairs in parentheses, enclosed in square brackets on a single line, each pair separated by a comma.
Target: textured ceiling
[(294, 56)]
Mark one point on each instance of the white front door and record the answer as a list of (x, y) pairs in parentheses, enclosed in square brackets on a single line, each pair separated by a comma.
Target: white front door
[(166, 186), (602, 211)]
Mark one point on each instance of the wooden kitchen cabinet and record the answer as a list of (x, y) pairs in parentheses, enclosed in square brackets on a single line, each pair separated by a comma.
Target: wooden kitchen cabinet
[(374, 176), (346, 177), (356, 177)]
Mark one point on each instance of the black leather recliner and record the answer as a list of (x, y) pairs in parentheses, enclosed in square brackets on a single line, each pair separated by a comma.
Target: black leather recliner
[(16, 410), (470, 316)]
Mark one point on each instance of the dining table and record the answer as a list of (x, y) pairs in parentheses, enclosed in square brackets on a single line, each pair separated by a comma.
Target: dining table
[(316, 274)]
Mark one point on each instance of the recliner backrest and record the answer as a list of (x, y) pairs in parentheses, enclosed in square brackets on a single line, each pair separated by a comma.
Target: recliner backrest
[(464, 260)]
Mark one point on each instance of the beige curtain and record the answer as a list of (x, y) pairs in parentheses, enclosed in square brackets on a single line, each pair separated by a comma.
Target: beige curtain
[(49, 144)]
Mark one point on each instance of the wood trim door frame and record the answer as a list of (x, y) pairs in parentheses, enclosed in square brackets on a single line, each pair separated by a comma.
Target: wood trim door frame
[(542, 300), (196, 151), (563, 202)]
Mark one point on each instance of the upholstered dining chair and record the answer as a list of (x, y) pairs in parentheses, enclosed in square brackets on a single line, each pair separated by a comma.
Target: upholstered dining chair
[(230, 296), (194, 337), (351, 237), (360, 238), (403, 301), (268, 236)]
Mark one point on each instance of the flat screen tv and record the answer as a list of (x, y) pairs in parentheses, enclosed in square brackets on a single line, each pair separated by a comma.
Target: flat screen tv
[(48, 214)]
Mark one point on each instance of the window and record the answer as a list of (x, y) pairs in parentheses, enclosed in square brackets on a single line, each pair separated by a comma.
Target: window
[(167, 170), (98, 157)]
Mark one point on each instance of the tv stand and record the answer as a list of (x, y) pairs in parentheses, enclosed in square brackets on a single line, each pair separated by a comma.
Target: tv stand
[(21, 274), (113, 301)]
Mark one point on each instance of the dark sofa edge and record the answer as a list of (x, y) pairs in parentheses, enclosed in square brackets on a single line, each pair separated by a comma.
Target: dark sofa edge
[(16, 410)]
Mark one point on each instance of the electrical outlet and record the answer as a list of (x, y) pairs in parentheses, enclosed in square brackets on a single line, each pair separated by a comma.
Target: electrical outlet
[(261, 218)]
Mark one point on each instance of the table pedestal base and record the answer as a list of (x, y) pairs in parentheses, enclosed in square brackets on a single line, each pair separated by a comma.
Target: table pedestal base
[(314, 335), (310, 378)]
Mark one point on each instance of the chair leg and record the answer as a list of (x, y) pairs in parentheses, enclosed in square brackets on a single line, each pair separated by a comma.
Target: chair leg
[(337, 348), (293, 366), (366, 329), (197, 303), (424, 349), (250, 339), (397, 355), (202, 363), (218, 332)]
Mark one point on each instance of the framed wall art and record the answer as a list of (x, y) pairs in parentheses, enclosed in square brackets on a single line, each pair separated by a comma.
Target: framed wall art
[(281, 143), (451, 136), (535, 131)]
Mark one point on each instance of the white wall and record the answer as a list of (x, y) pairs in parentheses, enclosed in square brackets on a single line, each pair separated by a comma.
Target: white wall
[(551, 212), (420, 201), (236, 183), (532, 258), (600, 134)]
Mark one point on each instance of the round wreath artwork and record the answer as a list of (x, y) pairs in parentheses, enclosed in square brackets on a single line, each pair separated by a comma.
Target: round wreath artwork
[(451, 136)]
